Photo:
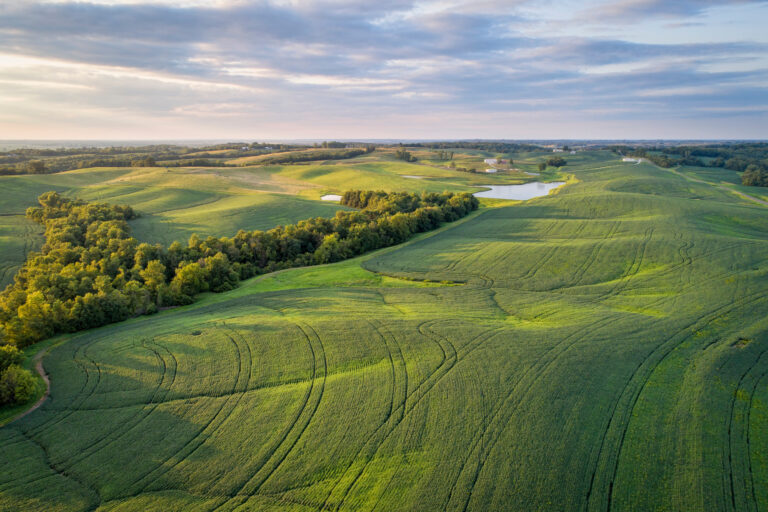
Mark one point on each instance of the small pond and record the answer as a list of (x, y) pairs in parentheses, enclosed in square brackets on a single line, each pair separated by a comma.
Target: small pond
[(519, 192)]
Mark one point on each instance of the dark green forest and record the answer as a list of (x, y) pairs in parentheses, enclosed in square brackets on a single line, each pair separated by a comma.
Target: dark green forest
[(91, 272)]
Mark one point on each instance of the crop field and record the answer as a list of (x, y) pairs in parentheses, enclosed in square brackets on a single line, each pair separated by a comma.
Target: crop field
[(604, 348)]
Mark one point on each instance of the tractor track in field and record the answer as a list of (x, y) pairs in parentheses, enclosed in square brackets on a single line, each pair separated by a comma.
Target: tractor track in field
[(747, 478), (510, 403), (197, 440), (402, 402), (95, 500), (578, 274), (699, 283), (722, 310), (372, 446), (634, 268), (661, 352), (542, 262), (452, 360), (443, 362), (749, 442), (149, 407), (29, 434), (80, 394), (318, 359)]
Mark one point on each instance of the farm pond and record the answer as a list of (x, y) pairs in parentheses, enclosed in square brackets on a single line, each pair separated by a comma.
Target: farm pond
[(519, 192)]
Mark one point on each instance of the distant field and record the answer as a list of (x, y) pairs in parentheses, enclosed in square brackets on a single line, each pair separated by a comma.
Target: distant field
[(726, 177), (603, 348)]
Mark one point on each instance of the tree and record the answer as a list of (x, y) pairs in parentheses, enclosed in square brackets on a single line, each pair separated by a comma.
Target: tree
[(9, 356), (35, 167), (556, 161), (402, 154), (153, 277), (755, 176), (17, 385)]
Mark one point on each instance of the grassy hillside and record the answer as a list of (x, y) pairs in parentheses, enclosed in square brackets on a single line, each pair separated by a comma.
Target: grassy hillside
[(603, 348), (176, 202)]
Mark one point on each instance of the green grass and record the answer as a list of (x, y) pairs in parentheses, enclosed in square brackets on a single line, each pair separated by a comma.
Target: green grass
[(592, 358)]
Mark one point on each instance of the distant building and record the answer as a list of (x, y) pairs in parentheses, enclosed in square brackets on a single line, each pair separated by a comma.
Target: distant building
[(490, 170), (491, 161)]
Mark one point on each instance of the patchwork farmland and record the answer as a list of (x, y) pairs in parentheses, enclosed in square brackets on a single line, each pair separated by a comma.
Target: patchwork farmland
[(602, 348)]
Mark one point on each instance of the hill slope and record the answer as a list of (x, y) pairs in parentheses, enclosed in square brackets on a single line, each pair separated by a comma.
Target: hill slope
[(605, 348)]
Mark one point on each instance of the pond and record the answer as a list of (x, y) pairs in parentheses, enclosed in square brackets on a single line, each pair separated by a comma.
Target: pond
[(520, 192)]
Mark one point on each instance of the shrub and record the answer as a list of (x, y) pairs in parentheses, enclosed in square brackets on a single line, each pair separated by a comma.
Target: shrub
[(17, 385)]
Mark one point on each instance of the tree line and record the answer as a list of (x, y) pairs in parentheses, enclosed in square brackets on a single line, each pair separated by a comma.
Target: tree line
[(312, 155), (91, 272), (750, 159)]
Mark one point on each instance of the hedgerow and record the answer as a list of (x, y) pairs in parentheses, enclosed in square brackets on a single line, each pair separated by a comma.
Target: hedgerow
[(91, 272)]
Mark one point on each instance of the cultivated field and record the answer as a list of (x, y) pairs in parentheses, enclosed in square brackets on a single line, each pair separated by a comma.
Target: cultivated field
[(603, 348)]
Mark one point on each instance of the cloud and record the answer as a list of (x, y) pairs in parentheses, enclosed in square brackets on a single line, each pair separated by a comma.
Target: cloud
[(252, 66), (629, 10)]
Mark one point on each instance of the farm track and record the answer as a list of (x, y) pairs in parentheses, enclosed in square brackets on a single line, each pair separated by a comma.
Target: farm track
[(162, 389), (748, 428), (542, 262), (30, 434), (298, 425), (239, 387), (634, 268), (741, 478), (486, 440), (82, 394), (578, 274), (619, 421), (447, 363)]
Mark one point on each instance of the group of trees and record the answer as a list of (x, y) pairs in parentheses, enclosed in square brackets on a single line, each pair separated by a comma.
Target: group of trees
[(17, 385), (750, 159), (755, 176), (293, 157), (556, 161), (443, 155), (493, 147), (452, 165), (91, 272), (403, 154)]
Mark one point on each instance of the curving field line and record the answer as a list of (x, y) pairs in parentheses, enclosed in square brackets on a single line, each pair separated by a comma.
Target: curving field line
[(444, 360), (239, 387), (161, 390), (602, 486), (486, 440), (419, 393), (81, 394), (297, 427), (578, 274), (742, 479)]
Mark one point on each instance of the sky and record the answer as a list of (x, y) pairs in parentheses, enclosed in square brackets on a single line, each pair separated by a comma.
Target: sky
[(397, 69)]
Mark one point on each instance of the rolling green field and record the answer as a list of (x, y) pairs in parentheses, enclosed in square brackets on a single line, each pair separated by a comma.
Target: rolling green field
[(174, 203), (602, 348)]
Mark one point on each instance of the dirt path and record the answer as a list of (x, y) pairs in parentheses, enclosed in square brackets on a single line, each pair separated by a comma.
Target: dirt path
[(40, 370)]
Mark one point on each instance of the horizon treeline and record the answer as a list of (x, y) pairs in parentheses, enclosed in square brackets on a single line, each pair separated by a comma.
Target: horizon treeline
[(91, 272), (749, 159)]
